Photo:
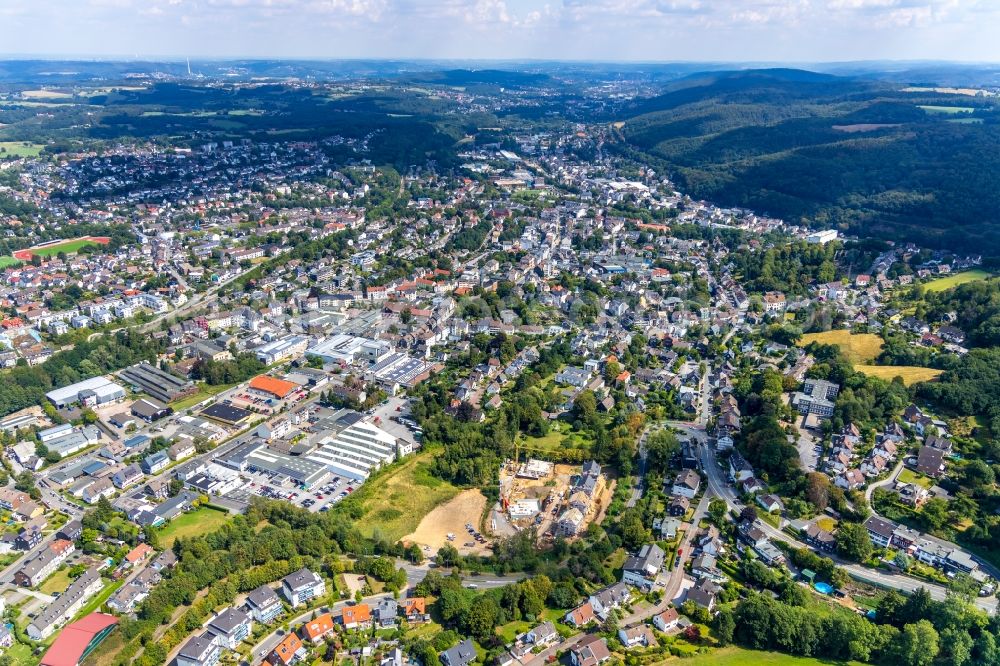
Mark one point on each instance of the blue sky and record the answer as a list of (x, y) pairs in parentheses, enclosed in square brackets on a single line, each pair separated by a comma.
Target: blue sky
[(644, 30)]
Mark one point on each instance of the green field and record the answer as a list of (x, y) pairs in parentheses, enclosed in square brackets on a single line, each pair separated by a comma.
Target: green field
[(950, 281), (200, 521), (734, 656), (20, 149), (6, 262), (394, 501), (68, 247), (911, 374), (947, 109), (856, 348), (205, 391)]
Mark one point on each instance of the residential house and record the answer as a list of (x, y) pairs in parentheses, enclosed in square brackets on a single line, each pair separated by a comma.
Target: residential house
[(686, 484), (316, 630), (607, 599), (581, 616), (642, 569), (704, 594), (462, 654), (638, 636), (263, 604), (301, 586), (667, 620), (591, 650), (415, 609), (288, 651), (199, 650), (230, 627), (358, 616)]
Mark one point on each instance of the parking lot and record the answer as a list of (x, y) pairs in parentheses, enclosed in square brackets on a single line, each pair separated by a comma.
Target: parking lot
[(273, 486), (394, 417)]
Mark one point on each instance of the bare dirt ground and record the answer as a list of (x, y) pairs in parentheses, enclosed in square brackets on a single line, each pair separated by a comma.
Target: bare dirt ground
[(451, 518)]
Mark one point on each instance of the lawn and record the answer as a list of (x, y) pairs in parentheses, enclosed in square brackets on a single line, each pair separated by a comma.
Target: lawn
[(200, 521), (949, 281), (911, 374), (57, 582), (735, 656), (205, 391), (552, 442), (397, 498), (20, 655), (96, 602), (857, 348), (6, 262), (826, 523), (20, 149), (909, 476)]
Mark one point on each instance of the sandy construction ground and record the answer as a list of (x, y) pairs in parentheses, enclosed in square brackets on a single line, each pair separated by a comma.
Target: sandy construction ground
[(451, 518)]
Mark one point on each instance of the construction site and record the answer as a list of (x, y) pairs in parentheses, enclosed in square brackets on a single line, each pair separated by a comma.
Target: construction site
[(557, 500)]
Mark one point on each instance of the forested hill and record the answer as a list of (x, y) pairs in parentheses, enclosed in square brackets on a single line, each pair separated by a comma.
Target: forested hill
[(866, 156)]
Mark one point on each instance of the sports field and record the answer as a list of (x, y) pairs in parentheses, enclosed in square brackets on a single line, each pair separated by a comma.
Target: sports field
[(857, 348), (68, 246), (949, 281)]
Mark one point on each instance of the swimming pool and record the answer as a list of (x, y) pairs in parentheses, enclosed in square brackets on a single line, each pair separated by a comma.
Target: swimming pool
[(823, 588)]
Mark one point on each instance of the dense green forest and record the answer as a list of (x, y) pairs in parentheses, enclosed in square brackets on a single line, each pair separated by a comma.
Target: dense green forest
[(858, 155)]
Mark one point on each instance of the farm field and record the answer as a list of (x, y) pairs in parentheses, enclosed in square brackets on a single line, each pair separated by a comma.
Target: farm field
[(857, 348), (200, 521), (911, 374), (734, 656), (20, 149), (947, 109), (46, 94), (395, 501), (950, 281)]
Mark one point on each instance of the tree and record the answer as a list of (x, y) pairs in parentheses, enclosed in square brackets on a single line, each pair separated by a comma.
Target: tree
[(917, 644), (717, 510), (725, 627), (934, 513), (748, 514), (661, 447), (853, 542), (977, 475), (447, 556), (818, 490)]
